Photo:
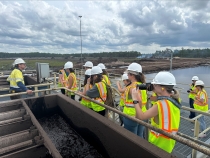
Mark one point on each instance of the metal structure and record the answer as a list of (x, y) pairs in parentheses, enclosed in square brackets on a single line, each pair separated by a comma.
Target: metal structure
[(81, 40)]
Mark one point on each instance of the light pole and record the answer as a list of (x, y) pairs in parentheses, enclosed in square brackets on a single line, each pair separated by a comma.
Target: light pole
[(81, 38)]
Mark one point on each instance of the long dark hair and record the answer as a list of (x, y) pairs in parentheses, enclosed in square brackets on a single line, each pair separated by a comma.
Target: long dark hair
[(174, 93), (71, 70), (104, 72), (99, 78), (140, 78), (85, 80)]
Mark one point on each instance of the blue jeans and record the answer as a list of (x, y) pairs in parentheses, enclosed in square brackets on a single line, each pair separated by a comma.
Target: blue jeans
[(134, 127), (202, 123)]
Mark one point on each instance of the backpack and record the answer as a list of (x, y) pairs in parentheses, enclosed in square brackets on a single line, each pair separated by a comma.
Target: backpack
[(109, 97)]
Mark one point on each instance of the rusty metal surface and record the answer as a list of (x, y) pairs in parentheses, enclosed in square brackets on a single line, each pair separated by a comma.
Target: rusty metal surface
[(109, 139)]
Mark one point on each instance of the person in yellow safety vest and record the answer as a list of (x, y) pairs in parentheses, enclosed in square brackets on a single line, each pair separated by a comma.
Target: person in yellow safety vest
[(105, 74), (136, 77), (16, 79), (201, 103), (62, 81), (84, 101), (165, 113), (71, 79), (98, 91), (192, 93), (88, 65), (126, 82)]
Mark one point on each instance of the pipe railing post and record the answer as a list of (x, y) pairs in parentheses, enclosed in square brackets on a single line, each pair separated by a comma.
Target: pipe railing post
[(196, 132), (36, 93)]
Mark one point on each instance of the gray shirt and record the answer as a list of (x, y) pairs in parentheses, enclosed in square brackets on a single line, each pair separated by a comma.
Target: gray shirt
[(93, 92)]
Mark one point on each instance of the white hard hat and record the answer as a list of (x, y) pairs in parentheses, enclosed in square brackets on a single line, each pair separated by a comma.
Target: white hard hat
[(88, 64), (68, 65), (135, 67), (195, 78), (164, 78), (96, 70), (124, 76), (102, 66), (199, 83), (88, 72), (19, 61)]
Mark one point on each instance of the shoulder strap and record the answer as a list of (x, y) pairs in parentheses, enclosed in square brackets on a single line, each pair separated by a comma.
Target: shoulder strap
[(176, 103)]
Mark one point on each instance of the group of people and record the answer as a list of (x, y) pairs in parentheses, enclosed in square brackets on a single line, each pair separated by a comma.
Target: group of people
[(198, 100), (164, 113), (95, 81)]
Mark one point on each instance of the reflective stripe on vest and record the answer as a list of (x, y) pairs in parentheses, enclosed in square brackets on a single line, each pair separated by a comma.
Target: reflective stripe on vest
[(169, 120), (74, 85), (103, 92), (15, 76), (203, 106), (64, 78)]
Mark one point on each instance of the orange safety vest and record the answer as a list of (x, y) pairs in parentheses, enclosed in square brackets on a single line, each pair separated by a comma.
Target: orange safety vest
[(198, 105), (103, 94), (63, 79), (129, 108), (74, 85), (86, 102), (169, 121)]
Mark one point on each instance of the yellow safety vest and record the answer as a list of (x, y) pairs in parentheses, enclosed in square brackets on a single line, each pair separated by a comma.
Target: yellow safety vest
[(86, 102), (129, 107), (15, 76), (74, 85), (64, 78), (106, 79), (153, 95), (169, 120), (192, 95), (103, 93), (202, 106), (122, 99)]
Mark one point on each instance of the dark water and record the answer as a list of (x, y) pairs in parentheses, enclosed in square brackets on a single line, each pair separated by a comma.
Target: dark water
[(69, 143)]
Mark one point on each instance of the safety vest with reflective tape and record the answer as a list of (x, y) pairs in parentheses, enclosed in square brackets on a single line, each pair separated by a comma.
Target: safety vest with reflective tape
[(15, 76), (153, 95), (106, 79), (203, 106), (122, 99), (192, 95), (74, 85), (64, 79), (169, 120), (86, 102), (103, 93), (129, 108)]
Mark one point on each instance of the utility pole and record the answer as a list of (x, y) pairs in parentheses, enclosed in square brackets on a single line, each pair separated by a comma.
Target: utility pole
[(81, 40), (171, 60)]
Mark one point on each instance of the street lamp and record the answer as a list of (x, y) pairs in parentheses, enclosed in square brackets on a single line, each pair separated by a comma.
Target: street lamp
[(81, 38)]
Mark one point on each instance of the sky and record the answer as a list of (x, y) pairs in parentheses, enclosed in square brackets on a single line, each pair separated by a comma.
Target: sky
[(144, 25)]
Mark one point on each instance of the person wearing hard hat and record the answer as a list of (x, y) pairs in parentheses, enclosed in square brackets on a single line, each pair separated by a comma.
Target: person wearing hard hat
[(121, 89), (201, 103), (63, 75), (84, 101), (136, 77), (16, 79), (71, 80), (165, 113), (192, 93), (105, 74), (98, 91), (88, 65)]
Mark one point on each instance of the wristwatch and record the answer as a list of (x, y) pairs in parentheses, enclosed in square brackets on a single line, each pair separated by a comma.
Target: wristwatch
[(135, 102)]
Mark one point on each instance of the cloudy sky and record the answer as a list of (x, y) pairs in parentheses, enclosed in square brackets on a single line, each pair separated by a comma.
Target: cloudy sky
[(143, 25)]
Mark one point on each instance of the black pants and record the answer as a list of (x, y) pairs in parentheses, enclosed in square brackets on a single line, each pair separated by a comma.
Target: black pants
[(63, 91), (15, 96), (73, 97), (192, 114), (103, 112)]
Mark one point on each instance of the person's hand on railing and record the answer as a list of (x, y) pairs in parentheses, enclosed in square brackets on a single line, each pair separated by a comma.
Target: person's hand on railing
[(29, 91)]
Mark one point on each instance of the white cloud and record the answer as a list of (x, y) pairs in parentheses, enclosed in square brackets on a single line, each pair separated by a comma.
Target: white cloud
[(145, 26)]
